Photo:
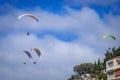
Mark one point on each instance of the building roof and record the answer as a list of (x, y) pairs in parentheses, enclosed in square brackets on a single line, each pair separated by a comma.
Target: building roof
[(113, 58)]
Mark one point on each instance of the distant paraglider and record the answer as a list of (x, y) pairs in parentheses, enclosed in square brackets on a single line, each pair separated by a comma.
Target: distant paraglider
[(109, 35), (29, 55), (24, 63), (37, 51), (34, 62), (29, 15), (28, 33)]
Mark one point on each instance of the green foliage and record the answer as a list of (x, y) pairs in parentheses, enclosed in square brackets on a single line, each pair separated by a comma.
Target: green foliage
[(111, 53), (74, 77), (97, 72), (84, 68), (102, 76), (99, 65), (96, 69)]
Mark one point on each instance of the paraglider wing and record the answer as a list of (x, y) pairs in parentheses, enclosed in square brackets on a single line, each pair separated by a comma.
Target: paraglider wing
[(28, 54), (29, 15), (37, 51), (109, 35)]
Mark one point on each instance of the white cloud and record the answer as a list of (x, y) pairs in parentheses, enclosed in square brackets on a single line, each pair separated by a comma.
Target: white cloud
[(59, 56)]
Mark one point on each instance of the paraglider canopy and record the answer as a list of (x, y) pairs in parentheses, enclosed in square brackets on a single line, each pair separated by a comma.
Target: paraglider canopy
[(37, 51), (28, 53), (109, 35), (29, 15)]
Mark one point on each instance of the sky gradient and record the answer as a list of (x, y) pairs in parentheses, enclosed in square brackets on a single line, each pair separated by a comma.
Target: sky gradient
[(69, 32)]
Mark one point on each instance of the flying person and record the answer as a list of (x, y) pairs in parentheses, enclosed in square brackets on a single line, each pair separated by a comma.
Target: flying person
[(28, 33)]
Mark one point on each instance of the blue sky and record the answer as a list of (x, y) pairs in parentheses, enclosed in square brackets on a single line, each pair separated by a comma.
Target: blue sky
[(57, 6), (69, 32)]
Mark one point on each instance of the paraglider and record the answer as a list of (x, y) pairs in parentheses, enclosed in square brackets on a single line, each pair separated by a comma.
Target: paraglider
[(24, 63), (29, 15), (34, 62), (109, 35), (37, 51), (29, 55), (28, 33)]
